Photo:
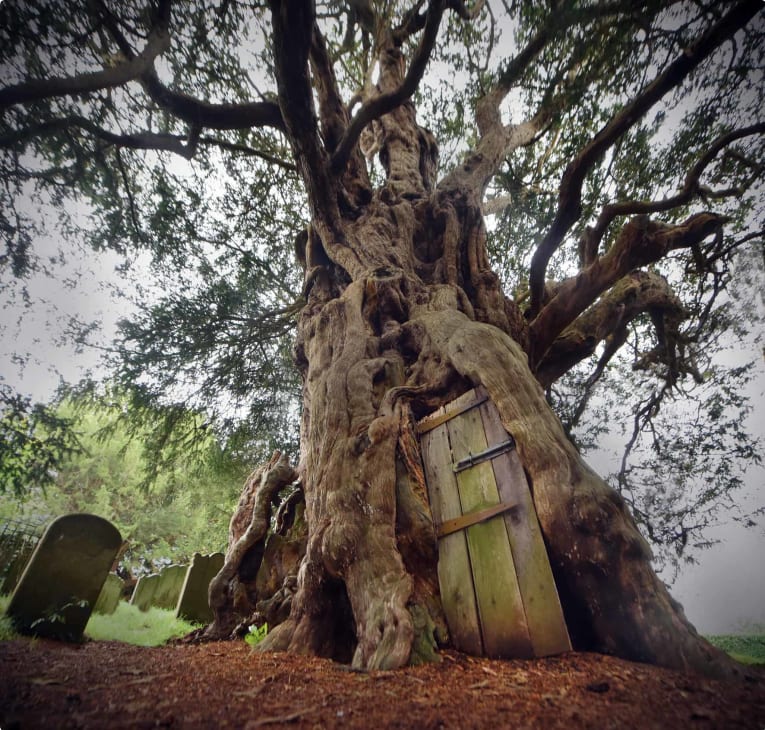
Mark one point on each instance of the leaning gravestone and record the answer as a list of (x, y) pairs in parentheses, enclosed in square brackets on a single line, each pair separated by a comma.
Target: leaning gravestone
[(169, 587), (63, 579), (143, 593), (193, 605), (110, 594)]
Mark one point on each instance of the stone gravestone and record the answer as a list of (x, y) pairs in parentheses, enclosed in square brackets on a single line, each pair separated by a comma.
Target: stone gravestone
[(63, 579), (110, 594), (194, 605), (169, 587), (143, 594)]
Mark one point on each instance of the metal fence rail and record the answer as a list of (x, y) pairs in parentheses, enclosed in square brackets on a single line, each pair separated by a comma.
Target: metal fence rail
[(18, 539)]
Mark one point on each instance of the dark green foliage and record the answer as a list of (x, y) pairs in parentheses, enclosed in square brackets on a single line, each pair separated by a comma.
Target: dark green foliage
[(161, 476), (34, 440)]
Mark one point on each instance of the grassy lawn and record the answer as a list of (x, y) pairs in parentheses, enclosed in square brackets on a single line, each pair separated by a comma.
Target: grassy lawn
[(747, 649), (132, 626), (126, 624)]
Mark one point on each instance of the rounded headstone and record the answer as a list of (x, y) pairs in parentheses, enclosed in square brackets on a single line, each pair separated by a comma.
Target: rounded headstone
[(64, 576)]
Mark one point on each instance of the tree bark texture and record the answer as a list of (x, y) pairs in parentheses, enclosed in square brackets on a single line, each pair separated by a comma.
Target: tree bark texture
[(403, 313), (420, 320), (258, 560)]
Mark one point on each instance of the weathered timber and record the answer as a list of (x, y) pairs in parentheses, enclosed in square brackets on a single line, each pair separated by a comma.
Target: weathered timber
[(499, 544), (503, 620), (454, 575), (544, 615)]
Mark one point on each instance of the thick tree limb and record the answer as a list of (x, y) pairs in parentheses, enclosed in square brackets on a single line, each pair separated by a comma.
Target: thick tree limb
[(109, 78), (213, 116), (381, 104), (557, 23), (638, 292), (570, 196), (334, 115), (691, 188), (194, 111), (183, 146), (412, 22), (495, 144), (293, 29), (640, 242), (498, 140)]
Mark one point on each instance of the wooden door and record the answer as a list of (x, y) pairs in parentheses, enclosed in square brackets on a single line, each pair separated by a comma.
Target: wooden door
[(496, 583)]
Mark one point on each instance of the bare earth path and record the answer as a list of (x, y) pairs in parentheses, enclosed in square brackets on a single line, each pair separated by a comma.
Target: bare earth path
[(45, 684)]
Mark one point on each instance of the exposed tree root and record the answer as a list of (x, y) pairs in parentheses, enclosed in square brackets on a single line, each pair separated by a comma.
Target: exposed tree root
[(247, 533)]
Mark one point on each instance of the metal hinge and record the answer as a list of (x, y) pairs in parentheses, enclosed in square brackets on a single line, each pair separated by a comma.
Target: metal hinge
[(485, 455)]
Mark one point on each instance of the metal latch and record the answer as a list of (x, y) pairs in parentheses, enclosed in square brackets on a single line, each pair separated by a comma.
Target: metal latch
[(485, 455)]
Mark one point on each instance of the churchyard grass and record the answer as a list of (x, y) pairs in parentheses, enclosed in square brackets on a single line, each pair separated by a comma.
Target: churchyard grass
[(133, 626), (127, 624), (744, 648)]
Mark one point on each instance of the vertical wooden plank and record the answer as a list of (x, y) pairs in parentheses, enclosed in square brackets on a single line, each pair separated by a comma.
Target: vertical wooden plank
[(454, 573), (500, 607), (544, 616)]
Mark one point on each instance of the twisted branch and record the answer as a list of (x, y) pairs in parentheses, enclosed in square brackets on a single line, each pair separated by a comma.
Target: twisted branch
[(570, 195)]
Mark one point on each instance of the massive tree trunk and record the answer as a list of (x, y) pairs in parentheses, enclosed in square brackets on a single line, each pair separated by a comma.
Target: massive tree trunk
[(418, 319), (403, 313)]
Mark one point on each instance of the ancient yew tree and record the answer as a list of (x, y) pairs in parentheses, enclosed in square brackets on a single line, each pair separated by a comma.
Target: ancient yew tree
[(499, 194)]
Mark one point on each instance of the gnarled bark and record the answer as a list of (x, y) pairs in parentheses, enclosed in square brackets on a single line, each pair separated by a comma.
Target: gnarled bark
[(387, 343), (403, 313), (230, 593)]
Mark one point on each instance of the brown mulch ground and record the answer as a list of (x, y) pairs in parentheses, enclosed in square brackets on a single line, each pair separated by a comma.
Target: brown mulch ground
[(45, 684)]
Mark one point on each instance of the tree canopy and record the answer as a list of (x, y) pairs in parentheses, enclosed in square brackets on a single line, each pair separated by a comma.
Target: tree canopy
[(153, 129)]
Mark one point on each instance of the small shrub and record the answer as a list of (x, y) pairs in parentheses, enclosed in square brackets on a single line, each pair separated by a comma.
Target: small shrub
[(256, 634)]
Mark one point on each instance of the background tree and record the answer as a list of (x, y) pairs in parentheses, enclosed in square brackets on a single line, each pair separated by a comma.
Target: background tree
[(166, 509), (615, 149), (34, 439)]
